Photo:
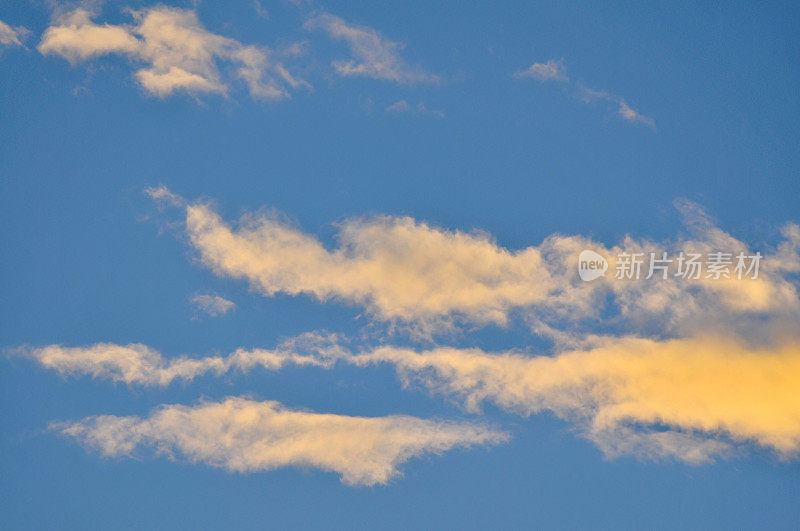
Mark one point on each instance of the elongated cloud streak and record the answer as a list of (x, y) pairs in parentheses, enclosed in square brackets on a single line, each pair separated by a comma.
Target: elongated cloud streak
[(397, 267), (682, 398), (375, 56), (138, 364), (554, 70), (180, 53), (632, 115), (403, 270), (402, 106), (242, 435)]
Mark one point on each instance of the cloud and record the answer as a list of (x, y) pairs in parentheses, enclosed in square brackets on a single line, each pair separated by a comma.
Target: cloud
[(402, 106), (180, 54), (247, 436), (213, 305), (399, 106), (374, 56), (589, 95), (692, 399), (260, 10), (406, 271), (682, 368), (10, 36), (633, 116), (398, 268), (552, 70), (138, 364), (163, 195), (624, 111), (682, 398), (77, 38)]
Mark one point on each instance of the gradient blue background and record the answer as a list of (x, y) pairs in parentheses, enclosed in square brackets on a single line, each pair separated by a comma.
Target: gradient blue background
[(84, 257)]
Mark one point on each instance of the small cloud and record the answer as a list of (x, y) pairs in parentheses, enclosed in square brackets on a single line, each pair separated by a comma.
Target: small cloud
[(552, 70), (163, 194), (177, 52), (403, 106), (246, 436), (80, 91), (11, 36), (399, 106), (139, 364), (587, 95), (295, 49), (213, 305), (633, 116), (421, 109), (261, 11), (555, 70), (374, 55)]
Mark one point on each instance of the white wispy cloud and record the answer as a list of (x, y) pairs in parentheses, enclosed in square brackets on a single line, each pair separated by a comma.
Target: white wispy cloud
[(180, 54), (406, 271), (242, 435), (213, 305), (634, 116), (260, 10), (141, 365), (589, 95), (683, 398), (402, 106), (399, 106), (11, 36), (552, 70), (555, 70), (374, 55)]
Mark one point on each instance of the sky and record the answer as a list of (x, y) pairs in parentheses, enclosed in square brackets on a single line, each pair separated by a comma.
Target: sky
[(274, 264)]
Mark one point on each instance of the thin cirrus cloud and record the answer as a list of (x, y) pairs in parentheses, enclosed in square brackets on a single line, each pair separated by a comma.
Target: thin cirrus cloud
[(634, 116), (213, 305), (403, 107), (374, 56), (179, 54), (11, 36), (242, 435), (588, 96), (408, 272), (555, 70), (137, 364), (399, 107), (552, 70), (692, 399)]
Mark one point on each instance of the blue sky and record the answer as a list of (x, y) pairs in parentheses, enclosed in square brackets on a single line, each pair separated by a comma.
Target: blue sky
[(435, 170)]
